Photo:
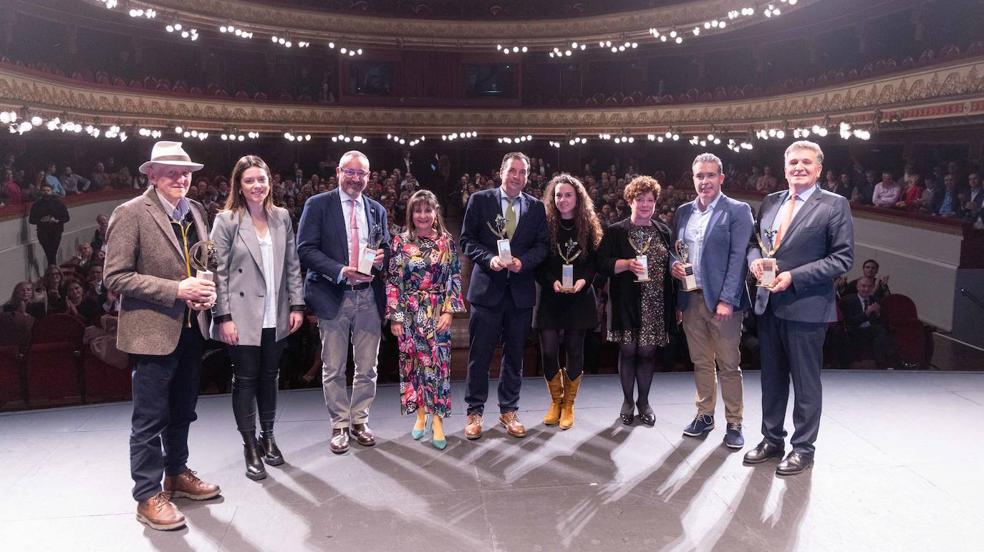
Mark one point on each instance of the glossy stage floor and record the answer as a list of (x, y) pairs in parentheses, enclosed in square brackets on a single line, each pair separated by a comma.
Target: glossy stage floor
[(898, 468)]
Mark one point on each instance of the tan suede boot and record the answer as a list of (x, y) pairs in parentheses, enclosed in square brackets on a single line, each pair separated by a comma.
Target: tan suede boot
[(567, 406), (556, 387)]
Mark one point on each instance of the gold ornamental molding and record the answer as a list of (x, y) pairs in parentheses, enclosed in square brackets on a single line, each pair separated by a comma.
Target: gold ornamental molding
[(459, 34), (944, 92)]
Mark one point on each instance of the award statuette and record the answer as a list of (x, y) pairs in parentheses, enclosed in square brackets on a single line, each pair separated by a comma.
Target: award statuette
[(202, 257), (368, 256), (498, 227), (568, 252), (640, 249), (769, 265), (683, 253)]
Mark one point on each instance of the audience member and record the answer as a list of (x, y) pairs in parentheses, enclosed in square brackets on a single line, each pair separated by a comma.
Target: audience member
[(886, 192), (870, 270), (49, 215), (862, 316)]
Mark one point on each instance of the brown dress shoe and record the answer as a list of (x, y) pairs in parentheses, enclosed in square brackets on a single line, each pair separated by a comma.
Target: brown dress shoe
[(514, 427), (473, 428), (157, 512), (339, 440), (363, 435), (188, 485)]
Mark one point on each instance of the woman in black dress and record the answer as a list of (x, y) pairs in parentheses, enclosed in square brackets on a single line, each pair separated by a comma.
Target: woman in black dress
[(566, 314), (640, 313)]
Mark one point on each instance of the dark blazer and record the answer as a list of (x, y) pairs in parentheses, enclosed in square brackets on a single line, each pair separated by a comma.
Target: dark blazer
[(722, 262), (529, 244), (854, 316), (624, 294), (239, 279), (323, 248), (818, 247), (567, 311), (144, 264)]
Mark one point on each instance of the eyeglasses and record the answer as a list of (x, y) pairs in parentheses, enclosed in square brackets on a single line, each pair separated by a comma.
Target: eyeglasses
[(358, 173)]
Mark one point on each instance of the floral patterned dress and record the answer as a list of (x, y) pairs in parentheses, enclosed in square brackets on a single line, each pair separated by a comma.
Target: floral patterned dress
[(424, 282)]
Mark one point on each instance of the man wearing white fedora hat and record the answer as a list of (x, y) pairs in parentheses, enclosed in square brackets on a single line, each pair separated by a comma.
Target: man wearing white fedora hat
[(164, 317)]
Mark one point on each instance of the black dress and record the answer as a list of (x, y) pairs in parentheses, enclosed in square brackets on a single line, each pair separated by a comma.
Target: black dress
[(566, 311), (644, 313)]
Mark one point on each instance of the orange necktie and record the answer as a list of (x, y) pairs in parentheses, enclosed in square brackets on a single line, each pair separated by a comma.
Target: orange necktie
[(786, 221), (354, 236)]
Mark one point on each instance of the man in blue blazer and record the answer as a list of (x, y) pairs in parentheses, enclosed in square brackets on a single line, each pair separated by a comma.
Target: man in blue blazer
[(501, 294), (814, 233), (334, 230), (715, 230)]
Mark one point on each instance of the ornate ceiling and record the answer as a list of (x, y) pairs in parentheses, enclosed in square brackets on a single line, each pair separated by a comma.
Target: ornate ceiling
[(483, 10), (532, 24)]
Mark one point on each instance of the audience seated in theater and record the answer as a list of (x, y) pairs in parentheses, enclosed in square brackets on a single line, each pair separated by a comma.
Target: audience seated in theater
[(974, 197), (73, 183), (83, 257), (949, 204), (865, 189), (912, 194), (98, 242), (52, 180), (862, 318), (869, 269), (886, 192), (767, 183), (101, 180), (16, 319), (10, 189)]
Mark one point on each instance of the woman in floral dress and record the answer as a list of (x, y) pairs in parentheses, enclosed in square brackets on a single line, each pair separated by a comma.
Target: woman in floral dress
[(422, 294)]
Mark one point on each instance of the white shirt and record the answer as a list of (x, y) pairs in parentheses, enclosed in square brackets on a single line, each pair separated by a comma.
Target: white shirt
[(360, 215), (694, 233), (270, 302), (801, 199)]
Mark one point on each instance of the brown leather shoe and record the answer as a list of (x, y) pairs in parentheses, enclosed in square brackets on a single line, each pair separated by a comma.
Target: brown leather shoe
[(188, 485), (339, 440), (363, 435), (157, 512), (514, 427), (473, 427)]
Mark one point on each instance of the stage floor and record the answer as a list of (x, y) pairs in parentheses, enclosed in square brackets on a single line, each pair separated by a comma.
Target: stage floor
[(897, 468)]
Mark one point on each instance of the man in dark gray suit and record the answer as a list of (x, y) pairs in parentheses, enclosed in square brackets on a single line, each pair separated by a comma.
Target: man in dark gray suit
[(715, 230), (812, 232)]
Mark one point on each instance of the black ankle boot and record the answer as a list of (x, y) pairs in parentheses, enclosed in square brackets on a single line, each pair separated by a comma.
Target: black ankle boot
[(271, 453), (253, 455)]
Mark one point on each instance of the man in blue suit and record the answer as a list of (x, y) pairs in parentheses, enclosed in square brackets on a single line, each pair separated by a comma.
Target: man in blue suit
[(335, 228), (814, 233), (715, 230), (501, 294)]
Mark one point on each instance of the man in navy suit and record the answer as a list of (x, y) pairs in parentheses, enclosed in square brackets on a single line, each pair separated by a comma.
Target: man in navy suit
[(501, 294), (335, 228), (715, 230), (814, 233)]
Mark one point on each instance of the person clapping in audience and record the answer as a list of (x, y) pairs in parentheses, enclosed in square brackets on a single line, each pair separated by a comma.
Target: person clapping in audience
[(862, 316)]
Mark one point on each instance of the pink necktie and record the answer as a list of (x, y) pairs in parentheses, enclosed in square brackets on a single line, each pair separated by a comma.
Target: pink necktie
[(354, 236), (786, 221)]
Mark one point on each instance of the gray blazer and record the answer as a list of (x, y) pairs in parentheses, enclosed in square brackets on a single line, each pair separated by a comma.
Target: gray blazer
[(239, 279), (144, 264), (818, 247)]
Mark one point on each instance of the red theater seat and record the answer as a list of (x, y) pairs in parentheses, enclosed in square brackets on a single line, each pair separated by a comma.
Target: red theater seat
[(54, 360), (12, 392), (104, 382), (913, 339)]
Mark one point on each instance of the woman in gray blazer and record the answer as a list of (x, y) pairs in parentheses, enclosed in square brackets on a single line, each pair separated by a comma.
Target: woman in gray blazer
[(259, 303)]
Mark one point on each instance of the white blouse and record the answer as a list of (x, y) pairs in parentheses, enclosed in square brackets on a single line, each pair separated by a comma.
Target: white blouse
[(270, 305)]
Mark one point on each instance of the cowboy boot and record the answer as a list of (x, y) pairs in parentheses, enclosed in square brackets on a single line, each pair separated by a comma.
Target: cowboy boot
[(556, 388), (567, 406)]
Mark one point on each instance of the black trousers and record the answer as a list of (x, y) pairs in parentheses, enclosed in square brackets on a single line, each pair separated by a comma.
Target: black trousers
[(165, 393), (255, 377), (573, 343), (485, 327), (791, 351), (49, 237)]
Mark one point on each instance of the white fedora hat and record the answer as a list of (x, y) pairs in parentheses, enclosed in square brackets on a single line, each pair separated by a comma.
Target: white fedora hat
[(169, 153)]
